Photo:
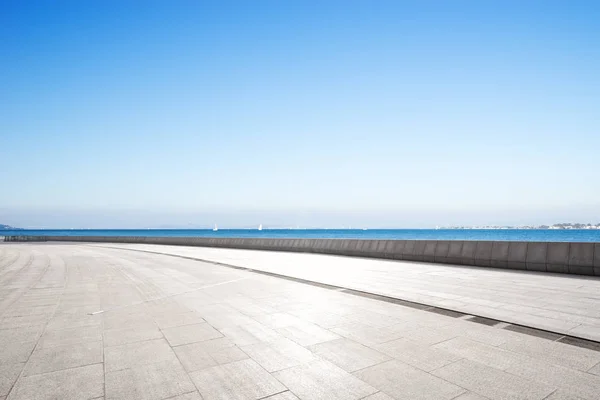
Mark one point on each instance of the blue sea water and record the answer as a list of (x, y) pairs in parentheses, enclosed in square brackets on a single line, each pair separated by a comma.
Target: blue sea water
[(575, 235)]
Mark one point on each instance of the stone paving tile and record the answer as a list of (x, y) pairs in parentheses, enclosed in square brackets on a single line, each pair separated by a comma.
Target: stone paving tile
[(348, 354), (190, 334), (307, 334), (410, 352), (69, 384), (481, 353), (492, 382), (473, 396), (586, 331), (279, 354), (117, 321), (322, 318), (278, 320), (68, 320), (148, 382), (479, 333), (249, 307), (26, 334), (82, 334), (188, 396), (368, 335), (179, 319), (128, 355), (16, 352), (562, 395), (287, 395), (25, 311), (582, 384), (8, 376), (241, 380), (372, 319), (245, 335), (323, 380), (63, 357), (595, 369), (402, 381), (200, 355), (132, 335), (553, 352), (227, 320), (378, 396), (23, 321)]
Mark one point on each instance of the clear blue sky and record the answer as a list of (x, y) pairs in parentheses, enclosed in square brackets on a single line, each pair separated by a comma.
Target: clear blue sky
[(376, 113)]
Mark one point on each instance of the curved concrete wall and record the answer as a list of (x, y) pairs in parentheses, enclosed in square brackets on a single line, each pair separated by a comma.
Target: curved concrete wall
[(559, 257)]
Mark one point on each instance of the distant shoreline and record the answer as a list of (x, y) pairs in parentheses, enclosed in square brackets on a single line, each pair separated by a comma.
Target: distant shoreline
[(531, 235)]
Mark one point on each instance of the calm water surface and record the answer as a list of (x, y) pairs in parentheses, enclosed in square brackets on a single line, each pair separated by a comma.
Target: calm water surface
[(574, 235)]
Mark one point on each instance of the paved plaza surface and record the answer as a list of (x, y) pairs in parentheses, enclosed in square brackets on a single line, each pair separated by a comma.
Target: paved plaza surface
[(84, 322), (567, 304)]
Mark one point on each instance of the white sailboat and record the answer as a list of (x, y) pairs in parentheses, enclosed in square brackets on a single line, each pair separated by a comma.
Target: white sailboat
[(260, 227), (215, 228)]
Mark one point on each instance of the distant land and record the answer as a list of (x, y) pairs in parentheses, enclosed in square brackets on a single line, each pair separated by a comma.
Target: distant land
[(566, 225), (8, 227)]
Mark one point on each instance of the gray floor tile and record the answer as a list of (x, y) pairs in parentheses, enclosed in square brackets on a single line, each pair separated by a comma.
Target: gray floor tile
[(348, 354), (8, 376), (16, 352), (70, 336), (417, 355), (554, 352), (307, 334), (69, 384), (119, 320), (378, 396), (582, 384), (190, 333), (323, 380), (241, 380), (322, 318), (36, 310), (402, 381), (139, 353), (67, 320), (287, 395), (562, 395), (595, 369), (23, 322), (226, 320), (493, 383), (472, 396), (279, 354), (172, 320), (368, 335), (188, 396), (245, 335), (148, 382), (132, 335), (26, 334), (481, 353), (63, 357), (200, 355), (278, 320)]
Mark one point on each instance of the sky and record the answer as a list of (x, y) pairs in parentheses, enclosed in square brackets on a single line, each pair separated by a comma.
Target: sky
[(127, 114)]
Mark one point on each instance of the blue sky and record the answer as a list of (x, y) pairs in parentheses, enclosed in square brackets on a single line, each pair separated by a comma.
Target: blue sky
[(329, 113)]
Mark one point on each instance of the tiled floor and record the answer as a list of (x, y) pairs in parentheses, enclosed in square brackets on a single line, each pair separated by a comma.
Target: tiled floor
[(86, 322), (568, 304)]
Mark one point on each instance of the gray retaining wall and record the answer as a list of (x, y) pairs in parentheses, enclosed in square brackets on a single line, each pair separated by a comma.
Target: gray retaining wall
[(559, 257)]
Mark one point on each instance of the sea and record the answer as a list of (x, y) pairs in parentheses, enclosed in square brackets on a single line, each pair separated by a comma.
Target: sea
[(532, 235)]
